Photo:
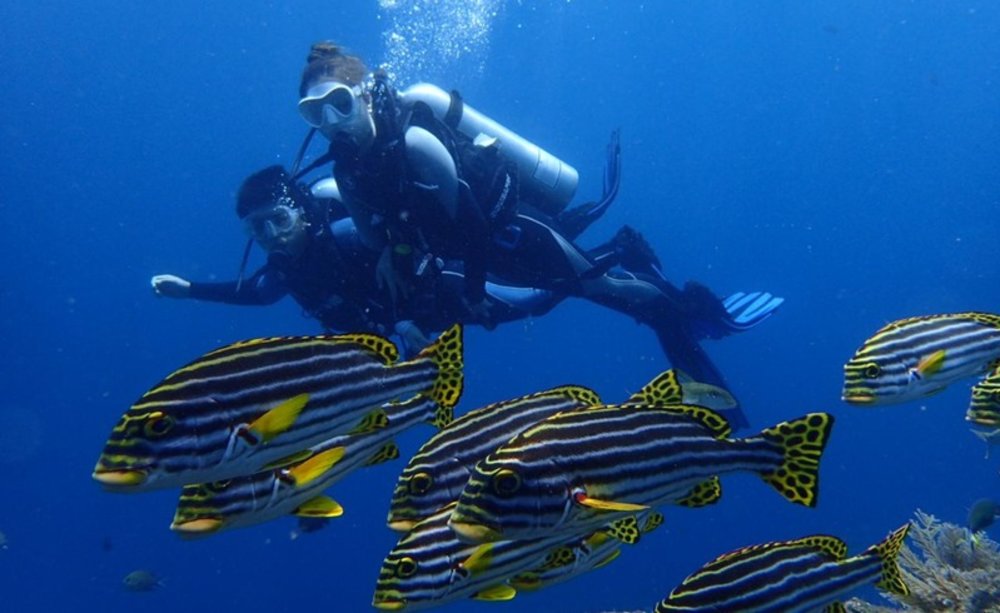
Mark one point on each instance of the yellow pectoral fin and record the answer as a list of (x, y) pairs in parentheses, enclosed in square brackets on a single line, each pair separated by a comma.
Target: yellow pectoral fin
[(480, 559), (288, 460), (496, 593), (311, 469), (280, 418), (320, 506), (931, 364), (609, 505)]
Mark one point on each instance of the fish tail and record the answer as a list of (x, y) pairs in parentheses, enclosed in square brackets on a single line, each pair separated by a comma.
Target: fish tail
[(802, 442), (446, 353), (891, 578)]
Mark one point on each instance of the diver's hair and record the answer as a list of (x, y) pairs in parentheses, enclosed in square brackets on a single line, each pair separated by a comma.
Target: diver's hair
[(264, 187), (327, 60)]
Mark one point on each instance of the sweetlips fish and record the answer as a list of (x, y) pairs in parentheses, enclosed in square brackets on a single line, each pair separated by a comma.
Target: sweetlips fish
[(919, 356), (579, 470), (262, 403), (298, 488), (984, 407), (436, 474), (805, 574)]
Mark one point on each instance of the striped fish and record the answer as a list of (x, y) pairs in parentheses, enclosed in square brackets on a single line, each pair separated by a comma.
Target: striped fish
[(297, 489), (984, 408), (805, 574), (915, 357), (580, 470), (437, 473), (595, 551), (262, 403), (429, 566)]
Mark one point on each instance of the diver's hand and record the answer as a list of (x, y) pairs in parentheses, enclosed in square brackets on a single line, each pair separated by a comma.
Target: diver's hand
[(414, 339), (170, 286), (481, 312)]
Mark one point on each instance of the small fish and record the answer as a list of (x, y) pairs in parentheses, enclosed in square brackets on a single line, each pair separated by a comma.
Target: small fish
[(991, 438), (430, 566), (142, 581), (580, 470), (297, 488), (984, 407), (919, 356), (983, 513), (805, 574), (242, 408)]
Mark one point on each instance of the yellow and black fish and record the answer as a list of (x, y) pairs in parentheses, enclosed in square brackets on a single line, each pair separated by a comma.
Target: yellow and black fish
[(297, 489), (805, 574), (258, 404), (438, 472), (580, 470), (915, 357), (430, 566)]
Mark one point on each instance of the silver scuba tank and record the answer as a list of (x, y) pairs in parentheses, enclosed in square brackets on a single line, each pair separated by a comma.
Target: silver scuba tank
[(545, 181)]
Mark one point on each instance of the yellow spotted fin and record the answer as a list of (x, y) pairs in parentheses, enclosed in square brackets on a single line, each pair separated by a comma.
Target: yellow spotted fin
[(625, 530), (446, 353), (705, 493), (388, 452), (496, 593), (376, 420), (311, 469), (320, 506), (583, 395), (664, 389), (280, 418), (384, 349), (891, 579), (801, 442)]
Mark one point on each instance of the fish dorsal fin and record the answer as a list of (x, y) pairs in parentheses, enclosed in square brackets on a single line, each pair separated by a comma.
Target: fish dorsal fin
[(598, 504), (382, 348), (320, 506), (581, 394), (830, 545), (376, 420), (664, 389), (388, 452), (496, 593), (704, 416), (751, 551), (311, 469), (480, 560), (280, 418), (625, 530), (288, 460), (705, 493)]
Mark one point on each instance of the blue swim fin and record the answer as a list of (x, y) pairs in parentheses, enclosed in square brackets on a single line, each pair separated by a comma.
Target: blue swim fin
[(746, 310)]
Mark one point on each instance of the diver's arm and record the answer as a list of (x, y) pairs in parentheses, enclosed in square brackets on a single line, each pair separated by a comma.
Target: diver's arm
[(260, 289)]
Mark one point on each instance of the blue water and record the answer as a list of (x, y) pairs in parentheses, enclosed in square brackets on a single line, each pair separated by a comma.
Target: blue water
[(840, 154)]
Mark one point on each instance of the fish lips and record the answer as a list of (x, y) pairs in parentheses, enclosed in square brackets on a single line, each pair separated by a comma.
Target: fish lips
[(120, 479)]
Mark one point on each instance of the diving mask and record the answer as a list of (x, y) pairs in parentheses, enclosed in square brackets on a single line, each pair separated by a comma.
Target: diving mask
[(330, 103), (276, 223)]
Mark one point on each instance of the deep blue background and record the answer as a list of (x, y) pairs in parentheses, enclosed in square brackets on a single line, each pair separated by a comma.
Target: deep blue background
[(841, 154)]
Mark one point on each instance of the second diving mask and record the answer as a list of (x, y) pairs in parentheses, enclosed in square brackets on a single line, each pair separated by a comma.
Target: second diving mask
[(330, 103), (274, 223)]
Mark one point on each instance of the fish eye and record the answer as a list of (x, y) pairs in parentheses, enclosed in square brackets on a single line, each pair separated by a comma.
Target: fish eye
[(420, 483), (872, 371), (406, 567), (506, 482), (158, 425)]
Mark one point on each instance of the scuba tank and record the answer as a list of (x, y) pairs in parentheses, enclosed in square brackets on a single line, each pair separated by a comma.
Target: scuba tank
[(546, 182)]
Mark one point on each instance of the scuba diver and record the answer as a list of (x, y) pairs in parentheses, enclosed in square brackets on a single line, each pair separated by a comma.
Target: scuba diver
[(420, 172)]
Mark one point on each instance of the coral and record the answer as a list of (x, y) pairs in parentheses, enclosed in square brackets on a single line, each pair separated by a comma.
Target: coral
[(949, 571)]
